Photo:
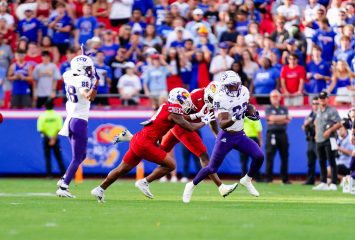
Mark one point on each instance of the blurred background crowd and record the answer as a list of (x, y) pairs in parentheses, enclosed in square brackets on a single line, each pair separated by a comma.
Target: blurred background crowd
[(144, 48)]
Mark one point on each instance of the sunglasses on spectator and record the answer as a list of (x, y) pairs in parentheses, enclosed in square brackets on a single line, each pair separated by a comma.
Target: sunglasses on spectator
[(315, 103), (292, 59), (274, 96)]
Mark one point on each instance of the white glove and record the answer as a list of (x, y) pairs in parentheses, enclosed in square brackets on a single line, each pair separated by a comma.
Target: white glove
[(124, 136), (209, 117), (200, 114)]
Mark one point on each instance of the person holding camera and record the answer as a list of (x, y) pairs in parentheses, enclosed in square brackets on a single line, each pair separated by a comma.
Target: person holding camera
[(327, 123), (310, 131)]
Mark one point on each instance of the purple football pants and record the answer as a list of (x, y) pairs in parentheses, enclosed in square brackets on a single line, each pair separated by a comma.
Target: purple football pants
[(352, 167), (78, 137), (226, 142)]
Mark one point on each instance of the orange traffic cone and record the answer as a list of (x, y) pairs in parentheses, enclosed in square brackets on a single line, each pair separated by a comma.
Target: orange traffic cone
[(79, 177), (140, 171)]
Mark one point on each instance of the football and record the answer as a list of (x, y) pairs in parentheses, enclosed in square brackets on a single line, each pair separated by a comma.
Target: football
[(250, 110)]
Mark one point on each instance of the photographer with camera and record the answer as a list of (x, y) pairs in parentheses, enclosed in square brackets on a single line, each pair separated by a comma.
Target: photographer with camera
[(345, 148), (327, 123), (310, 131)]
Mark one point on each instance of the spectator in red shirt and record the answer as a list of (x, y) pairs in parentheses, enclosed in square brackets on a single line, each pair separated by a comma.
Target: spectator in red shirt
[(33, 55), (292, 80)]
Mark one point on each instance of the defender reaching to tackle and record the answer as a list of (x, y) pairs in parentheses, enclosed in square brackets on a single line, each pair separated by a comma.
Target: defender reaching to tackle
[(143, 145)]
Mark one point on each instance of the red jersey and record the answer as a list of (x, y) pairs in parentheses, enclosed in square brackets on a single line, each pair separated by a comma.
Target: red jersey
[(197, 97), (156, 127), (293, 77)]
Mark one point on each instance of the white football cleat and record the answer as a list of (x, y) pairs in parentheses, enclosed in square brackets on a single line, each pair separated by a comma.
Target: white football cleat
[(173, 179), (351, 186), (98, 193), (332, 187), (225, 190), (124, 136), (184, 180), (321, 187), (246, 182), (189, 189), (64, 192), (143, 186), (60, 181)]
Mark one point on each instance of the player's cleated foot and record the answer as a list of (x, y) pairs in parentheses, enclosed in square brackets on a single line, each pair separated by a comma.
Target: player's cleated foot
[(173, 179), (189, 189), (225, 190), (332, 187), (63, 191), (163, 179), (124, 136), (60, 181), (98, 193), (321, 187), (184, 180), (246, 182), (143, 186)]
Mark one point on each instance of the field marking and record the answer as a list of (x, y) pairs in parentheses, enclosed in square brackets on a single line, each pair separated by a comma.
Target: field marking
[(30, 194)]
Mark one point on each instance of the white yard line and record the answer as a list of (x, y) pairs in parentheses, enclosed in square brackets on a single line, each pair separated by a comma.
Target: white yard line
[(30, 194)]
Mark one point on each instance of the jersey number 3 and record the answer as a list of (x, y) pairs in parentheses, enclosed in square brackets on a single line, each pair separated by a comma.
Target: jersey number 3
[(71, 94)]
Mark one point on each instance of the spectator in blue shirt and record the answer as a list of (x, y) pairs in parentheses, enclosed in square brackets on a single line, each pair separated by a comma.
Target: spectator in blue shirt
[(136, 22), (253, 14), (166, 27), (318, 73), (345, 52), (291, 47), (61, 24), (242, 22), (30, 27), (160, 12), (85, 26), (197, 22), (265, 80), (324, 37), (155, 85), (109, 47), (145, 6), (105, 75)]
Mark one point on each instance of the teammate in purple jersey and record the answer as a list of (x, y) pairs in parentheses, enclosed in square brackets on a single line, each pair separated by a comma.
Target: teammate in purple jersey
[(81, 83), (231, 104)]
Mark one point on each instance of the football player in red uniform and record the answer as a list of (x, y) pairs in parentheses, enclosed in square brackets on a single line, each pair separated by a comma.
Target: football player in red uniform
[(143, 145), (202, 100)]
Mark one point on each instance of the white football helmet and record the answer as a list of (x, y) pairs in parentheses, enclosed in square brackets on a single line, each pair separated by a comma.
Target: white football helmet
[(210, 91), (82, 65), (231, 83), (182, 97)]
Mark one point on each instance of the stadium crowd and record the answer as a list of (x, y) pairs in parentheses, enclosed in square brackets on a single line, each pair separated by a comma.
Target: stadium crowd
[(145, 48)]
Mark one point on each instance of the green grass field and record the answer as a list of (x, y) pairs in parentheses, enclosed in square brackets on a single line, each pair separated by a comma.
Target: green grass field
[(282, 212)]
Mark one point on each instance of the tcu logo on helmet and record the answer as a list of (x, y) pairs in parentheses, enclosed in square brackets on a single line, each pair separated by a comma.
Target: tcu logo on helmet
[(224, 76), (81, 59)]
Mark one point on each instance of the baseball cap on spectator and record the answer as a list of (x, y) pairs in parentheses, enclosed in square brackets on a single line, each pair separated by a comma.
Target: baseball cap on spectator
[(197, 11), (323, 94), (223, 45), (290, 41), (129, 65), (101, 25), (202, 29), (137, 32), (95, 39), (3, 4), (150, 51)]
